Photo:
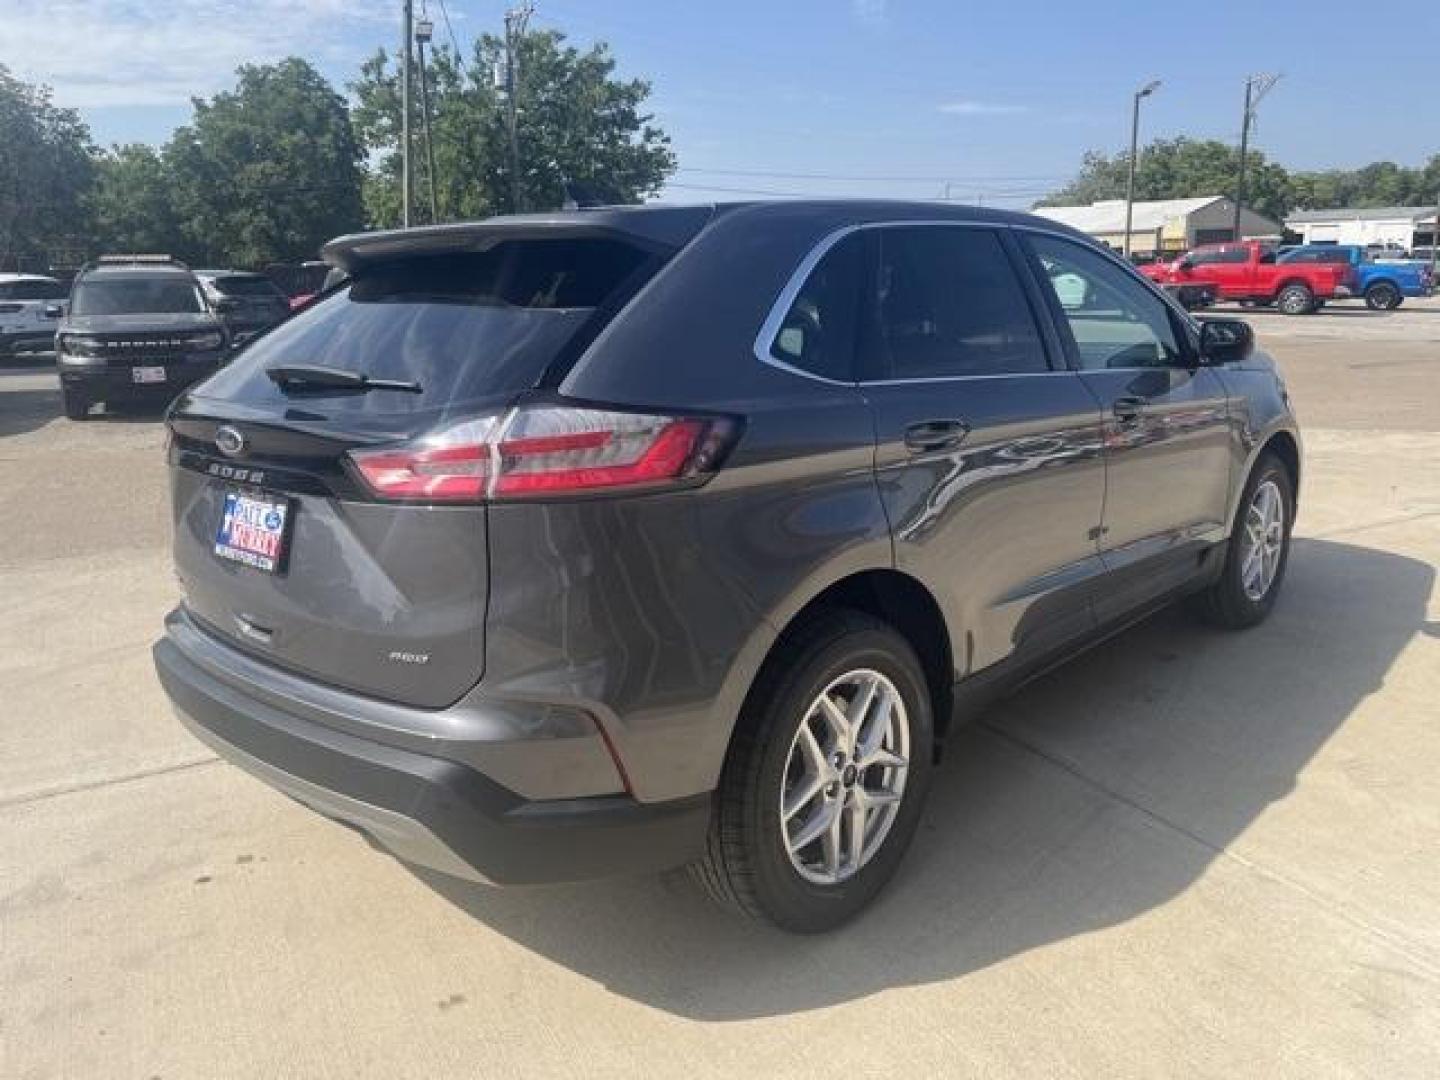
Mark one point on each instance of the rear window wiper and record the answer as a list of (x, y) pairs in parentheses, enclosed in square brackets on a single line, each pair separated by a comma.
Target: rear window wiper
[(320, 377)]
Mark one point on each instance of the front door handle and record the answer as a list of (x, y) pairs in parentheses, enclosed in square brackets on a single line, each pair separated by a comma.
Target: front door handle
[(1128, 409), (932, 435)]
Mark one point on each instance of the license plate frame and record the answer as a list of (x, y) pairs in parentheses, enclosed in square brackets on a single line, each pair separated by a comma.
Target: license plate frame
[(148, 374), (254, 529)]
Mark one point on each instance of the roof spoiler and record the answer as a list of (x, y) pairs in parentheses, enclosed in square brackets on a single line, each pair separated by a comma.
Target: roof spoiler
[(660, 229)]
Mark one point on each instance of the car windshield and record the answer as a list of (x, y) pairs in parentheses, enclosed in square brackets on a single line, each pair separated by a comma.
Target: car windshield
[(137, 296)]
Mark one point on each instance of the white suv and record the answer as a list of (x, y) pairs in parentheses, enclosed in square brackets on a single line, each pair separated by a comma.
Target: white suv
[(30, 311)]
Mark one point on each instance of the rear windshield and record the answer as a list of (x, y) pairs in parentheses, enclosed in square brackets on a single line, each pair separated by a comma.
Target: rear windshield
[(137, 296), (247, 286), (32, 289), (465, 326)]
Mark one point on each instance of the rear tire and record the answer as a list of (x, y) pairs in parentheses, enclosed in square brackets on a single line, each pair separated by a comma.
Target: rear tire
[(1382, 296), (77, 405), (758, 859), (1245, 592), (1295, 299)]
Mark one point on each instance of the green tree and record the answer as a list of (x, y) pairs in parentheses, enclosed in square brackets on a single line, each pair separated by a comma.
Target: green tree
[(1381, 183), (45, 168), (575, 121), (267, 172), (131, 204), (1180, 168)]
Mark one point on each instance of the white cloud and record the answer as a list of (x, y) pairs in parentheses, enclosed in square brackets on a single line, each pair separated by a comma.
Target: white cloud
[(982, 108), (149, 52)]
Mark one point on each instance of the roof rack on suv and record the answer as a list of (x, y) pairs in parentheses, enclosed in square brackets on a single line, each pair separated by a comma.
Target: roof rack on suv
[(135, 260)]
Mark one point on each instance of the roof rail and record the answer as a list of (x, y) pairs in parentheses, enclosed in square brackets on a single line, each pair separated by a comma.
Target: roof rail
[(137, 259)]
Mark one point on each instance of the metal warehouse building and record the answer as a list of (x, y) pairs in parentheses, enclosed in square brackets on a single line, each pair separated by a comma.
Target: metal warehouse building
[(1394, 226), (1164, 226)]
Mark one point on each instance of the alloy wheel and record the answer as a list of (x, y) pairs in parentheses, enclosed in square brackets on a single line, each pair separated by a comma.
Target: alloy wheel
[(844, 777), (1264, 541)]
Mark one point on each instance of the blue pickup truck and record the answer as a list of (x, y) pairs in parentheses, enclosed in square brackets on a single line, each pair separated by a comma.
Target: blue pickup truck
[(1384, 285)]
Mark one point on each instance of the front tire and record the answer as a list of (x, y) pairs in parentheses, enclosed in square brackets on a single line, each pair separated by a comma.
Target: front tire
[(77, 405), (1382, 296), (1257, 551), (1295, 299), (822, 789)]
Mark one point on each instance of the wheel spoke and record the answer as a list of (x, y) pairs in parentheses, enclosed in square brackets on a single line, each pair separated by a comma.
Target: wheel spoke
[(887, 759), (856, 815), (859, 711), (830, 842), (801, 795), (815, 763), (836, 720), (819, 822)]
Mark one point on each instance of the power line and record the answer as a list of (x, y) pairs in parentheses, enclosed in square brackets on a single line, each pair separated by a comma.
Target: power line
[(957, 178), (772, 193), (445, 13)]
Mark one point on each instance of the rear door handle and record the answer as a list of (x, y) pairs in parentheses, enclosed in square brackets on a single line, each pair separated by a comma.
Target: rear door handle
[(932, 435), (1128, 409)]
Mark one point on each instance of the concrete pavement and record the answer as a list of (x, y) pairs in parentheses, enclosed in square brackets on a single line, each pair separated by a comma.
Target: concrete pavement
[(1188, 854)]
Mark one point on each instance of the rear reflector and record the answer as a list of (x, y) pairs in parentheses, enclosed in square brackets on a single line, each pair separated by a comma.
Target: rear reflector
[(542, 450)]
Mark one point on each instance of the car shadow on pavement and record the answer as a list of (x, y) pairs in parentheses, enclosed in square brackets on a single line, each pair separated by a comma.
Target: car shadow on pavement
[(1096, 794)]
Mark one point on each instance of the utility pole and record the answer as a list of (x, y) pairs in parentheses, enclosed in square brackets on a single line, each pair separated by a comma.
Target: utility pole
[(1256, 87), (1144, 92), (515, 20), (405, 116), (424, 29)]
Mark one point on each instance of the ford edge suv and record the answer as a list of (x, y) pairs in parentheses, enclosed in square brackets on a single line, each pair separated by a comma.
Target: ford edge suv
[(551, 547)]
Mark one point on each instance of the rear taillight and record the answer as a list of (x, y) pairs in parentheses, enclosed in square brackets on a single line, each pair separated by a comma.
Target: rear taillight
[(545, 450)]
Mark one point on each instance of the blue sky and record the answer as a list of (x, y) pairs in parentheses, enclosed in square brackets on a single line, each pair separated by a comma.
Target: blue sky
[(905, 98)]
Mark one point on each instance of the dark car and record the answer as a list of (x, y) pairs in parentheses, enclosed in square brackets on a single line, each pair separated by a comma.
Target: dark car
[(248, 304), (560, 546), (138, 328)]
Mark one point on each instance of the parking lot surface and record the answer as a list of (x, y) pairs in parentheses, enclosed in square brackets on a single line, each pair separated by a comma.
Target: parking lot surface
[(1186, 854)]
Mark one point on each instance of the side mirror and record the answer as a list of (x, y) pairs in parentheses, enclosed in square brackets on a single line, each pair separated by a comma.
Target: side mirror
[(54, 311), (1225, 341), (1185, 264)]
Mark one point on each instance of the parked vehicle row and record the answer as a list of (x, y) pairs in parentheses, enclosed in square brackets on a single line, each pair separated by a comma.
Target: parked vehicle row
[(567, 545), (1251, 272)]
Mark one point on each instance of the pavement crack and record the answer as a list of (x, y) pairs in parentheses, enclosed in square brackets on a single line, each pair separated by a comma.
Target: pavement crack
[(103, 782)]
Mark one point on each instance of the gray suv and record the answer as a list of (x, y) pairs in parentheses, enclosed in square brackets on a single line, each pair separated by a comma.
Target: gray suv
[(551, 547), (138, 328)]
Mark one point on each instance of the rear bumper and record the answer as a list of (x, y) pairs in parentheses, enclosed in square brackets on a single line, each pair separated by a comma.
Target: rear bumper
[(432, 811)]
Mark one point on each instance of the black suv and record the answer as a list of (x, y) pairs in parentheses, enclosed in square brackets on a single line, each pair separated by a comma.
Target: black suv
[(138, 327), (559, 546)]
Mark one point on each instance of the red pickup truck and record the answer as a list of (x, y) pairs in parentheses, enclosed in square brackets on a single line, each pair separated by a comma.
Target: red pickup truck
[(1248, 271)]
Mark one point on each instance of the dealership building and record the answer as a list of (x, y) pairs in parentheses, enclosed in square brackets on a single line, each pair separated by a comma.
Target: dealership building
[(1164, 226), (1391, 226)]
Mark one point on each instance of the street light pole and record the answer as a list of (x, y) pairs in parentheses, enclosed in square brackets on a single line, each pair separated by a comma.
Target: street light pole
[(1145, 91)]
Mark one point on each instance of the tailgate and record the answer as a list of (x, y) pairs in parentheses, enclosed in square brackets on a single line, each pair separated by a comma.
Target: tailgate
[(387, 600)]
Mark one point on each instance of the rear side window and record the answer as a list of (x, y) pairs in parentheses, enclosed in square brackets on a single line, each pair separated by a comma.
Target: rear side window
[(247, 286), (32, 290), (818, 333), (464, 326), (948, 303)]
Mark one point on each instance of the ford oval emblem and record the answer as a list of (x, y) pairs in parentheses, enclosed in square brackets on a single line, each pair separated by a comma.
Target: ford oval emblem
[(229, 441)]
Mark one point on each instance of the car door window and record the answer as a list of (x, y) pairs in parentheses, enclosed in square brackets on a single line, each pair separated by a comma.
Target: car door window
[(947, 303), (1115, 320), (817, 335)]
